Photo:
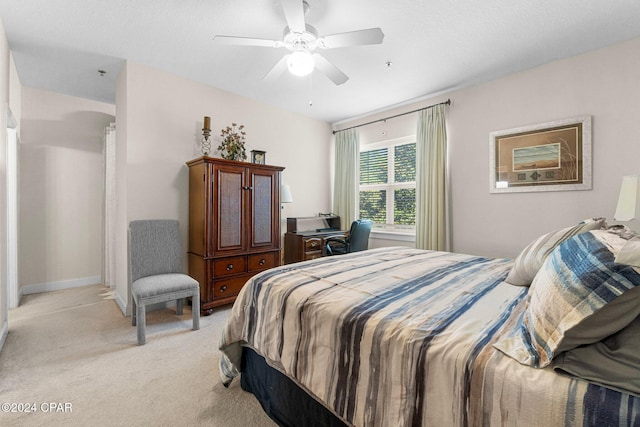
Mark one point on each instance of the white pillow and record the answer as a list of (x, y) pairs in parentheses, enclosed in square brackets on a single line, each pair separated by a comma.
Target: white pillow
[(531, 258)]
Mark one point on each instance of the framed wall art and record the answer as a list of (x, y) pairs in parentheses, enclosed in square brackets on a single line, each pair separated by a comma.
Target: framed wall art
[(553, 156)]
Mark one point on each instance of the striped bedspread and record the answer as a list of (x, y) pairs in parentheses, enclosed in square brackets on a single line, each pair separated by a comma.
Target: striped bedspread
[(403, 337)]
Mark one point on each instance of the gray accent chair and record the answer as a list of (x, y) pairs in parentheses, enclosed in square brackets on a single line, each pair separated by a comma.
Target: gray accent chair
[(155, 271)]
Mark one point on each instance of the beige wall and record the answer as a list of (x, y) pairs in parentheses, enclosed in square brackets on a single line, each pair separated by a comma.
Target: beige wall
[(4, 100), (121, 274), (61, 190), (159, 128), (603, 84), (13, 172), (15, 93)]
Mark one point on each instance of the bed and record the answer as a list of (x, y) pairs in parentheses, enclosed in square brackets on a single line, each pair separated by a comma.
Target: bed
[(407, 337)]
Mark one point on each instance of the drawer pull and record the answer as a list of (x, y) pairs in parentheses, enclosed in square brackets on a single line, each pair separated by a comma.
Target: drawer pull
[(262, 261), (223, 288), (229, 267)]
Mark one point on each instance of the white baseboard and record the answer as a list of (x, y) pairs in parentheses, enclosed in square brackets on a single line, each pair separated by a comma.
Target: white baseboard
[(20, 293), (62, 284), (122, 304), (3, 333)]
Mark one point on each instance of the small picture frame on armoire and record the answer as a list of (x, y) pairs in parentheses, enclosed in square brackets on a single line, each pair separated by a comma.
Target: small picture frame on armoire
[(258, 156)]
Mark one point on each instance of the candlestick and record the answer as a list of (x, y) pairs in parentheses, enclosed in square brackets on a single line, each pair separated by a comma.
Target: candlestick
[(206, 142)]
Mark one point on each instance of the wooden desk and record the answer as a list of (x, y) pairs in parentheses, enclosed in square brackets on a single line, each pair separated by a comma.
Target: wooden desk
[(306, 245)]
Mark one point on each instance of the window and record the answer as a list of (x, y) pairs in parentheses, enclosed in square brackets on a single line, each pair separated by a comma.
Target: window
[(388, 184)]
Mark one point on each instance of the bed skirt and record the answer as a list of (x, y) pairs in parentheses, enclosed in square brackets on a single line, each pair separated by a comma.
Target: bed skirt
[(280, 397)]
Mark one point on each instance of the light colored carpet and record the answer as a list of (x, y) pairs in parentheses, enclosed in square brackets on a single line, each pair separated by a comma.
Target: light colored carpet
[(74, 346)]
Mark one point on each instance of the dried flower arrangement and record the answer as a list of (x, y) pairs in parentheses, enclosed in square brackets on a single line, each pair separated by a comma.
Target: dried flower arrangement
[(232, 145)]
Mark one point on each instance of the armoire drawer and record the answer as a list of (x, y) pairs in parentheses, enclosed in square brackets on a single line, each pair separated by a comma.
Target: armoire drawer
[(229, 266), (223, 288), (259, 262)]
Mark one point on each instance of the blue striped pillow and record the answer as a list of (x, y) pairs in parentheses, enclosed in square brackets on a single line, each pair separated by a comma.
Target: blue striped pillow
[(577, 297)]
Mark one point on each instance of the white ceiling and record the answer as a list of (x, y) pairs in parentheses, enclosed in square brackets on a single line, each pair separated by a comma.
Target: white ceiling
[(434, 45)]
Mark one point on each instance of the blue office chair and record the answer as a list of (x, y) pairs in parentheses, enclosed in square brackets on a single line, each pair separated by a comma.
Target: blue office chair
[(357, 239)]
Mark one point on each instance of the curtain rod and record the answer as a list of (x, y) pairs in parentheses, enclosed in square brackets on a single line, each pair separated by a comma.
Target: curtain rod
[(447, 102)]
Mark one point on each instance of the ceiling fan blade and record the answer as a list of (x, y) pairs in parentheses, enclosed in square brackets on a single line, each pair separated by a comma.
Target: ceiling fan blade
[(277, 70), (352, 38), (328, 69), (294, 14), (245, 41)]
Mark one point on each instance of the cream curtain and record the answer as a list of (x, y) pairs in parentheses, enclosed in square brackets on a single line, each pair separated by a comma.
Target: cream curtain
[(345, 187), (432, 200)]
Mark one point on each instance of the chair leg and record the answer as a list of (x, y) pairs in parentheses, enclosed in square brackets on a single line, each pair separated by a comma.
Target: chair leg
[(195, 310), (142, 323), (179, 302), (133, 312)]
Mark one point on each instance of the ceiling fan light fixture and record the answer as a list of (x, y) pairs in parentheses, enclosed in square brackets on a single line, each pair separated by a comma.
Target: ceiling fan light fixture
[(301, 63), (301, 39)]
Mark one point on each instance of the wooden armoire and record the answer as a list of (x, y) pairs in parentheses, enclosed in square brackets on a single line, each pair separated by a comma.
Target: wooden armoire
[(234, 225)]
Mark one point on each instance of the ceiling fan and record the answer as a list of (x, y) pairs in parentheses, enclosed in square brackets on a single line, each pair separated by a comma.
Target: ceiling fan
[(301, 39)]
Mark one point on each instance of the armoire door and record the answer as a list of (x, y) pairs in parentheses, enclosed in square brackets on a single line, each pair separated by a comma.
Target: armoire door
[(200, 234), (264, 209), (229, 198)]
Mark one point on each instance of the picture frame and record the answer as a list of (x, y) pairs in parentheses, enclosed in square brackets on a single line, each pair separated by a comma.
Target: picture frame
[(258, 156), (552, 156)]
